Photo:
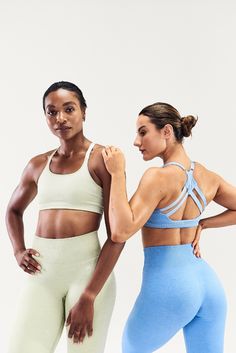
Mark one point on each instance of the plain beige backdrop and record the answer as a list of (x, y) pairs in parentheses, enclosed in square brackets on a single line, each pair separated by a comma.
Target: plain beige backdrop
[(123, 55)]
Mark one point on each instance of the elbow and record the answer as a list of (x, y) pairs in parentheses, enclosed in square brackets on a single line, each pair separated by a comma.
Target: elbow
[(12, 212), (118, 237), (121, 232)]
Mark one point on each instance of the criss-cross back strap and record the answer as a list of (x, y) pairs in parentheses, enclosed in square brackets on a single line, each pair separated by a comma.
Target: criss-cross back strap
[(188, 188)]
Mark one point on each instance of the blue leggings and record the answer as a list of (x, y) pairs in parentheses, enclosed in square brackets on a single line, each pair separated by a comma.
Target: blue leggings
[(178, 291)]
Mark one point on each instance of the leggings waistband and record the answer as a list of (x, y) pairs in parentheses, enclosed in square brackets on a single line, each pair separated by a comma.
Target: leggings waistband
[(170, 255), (78, 248)]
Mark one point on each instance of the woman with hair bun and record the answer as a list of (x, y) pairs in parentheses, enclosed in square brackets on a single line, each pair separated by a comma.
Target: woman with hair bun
[(179, 289)]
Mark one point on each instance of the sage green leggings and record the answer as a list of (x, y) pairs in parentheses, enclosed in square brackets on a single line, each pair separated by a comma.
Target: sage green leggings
[(67, 265)]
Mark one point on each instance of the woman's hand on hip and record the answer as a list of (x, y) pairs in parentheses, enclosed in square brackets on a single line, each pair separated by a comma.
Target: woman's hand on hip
[(80, 318), (196, 240), (114, 159), (26, 261)]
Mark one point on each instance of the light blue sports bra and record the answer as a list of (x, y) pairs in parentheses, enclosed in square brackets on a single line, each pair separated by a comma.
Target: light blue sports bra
[(159, 219)]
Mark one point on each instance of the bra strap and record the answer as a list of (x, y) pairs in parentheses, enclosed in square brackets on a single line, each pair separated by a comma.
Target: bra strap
[(180, 165), (51, 155), (174, 163), (92, 144)]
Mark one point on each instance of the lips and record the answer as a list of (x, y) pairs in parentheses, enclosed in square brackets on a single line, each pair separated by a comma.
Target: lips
[(63, 128)]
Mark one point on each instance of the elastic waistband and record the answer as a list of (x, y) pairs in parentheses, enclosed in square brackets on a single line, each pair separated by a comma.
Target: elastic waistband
[(78, 248), (169, 254), (168, 248)]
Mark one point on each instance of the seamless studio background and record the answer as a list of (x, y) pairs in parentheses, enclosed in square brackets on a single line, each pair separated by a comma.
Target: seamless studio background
[(123, 55)]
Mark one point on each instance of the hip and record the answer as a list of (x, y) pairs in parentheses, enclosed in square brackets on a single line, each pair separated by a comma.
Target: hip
[(176, 266)]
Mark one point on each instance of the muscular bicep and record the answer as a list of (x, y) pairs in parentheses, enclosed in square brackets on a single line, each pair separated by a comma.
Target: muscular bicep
[(25, 191), (226, 195), (147, 197), (104, 179), (106, 184)]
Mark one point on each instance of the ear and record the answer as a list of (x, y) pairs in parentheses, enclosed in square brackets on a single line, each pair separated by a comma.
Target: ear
[(167, 131), (84, 113)]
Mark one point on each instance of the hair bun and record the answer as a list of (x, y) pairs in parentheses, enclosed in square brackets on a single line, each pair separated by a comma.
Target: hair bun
[(187, 123)]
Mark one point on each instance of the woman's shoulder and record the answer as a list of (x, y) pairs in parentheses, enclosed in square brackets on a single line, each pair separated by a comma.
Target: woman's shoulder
[(205, 172), (40, 158), (35, 166), (44, 155), (152, 174), (97, 149), (96, 155)]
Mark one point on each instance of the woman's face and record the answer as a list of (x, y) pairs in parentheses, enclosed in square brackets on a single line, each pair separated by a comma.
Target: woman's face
[(64, 114), (150, 141)]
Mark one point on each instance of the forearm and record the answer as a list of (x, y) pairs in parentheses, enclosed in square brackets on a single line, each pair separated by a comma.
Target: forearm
[(120, 212), (108, 257), (15, 227), (226, 218)]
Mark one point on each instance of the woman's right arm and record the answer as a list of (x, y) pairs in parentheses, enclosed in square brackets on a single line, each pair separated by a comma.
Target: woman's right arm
[(21, 198), (127, 217)]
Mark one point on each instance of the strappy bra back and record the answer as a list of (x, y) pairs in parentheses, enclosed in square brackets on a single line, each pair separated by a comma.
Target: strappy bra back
[(160, 218), (77, 191)]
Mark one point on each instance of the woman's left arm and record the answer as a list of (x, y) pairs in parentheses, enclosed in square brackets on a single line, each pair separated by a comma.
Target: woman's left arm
[(225, 196), (81, 315)]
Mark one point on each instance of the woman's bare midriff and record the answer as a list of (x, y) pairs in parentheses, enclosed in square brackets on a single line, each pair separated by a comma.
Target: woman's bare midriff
[(63, 223), (155, 237)]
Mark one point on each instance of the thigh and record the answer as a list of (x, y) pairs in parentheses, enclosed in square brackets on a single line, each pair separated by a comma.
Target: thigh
[(103, 308), (39, 320)]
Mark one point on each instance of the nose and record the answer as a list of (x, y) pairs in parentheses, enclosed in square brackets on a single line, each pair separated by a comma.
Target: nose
[(137, 142), (60, 118)]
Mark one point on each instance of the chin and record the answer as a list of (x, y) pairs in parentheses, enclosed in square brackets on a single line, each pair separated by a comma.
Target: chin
[(146, 158)]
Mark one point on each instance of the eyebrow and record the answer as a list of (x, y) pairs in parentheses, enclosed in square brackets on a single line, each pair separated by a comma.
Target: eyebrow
[(66, 103), (141, 128)]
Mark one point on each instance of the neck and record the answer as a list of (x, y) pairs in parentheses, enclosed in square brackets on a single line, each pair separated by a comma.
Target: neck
[(176, 153), (75, 145)]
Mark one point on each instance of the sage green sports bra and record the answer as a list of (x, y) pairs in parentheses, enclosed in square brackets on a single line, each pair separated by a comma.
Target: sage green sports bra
[(77, 191)]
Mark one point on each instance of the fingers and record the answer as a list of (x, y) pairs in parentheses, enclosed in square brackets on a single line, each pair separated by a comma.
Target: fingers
[(68, 321), (78, 332), (195, 243), (90, 329), (32, 264), (104, 154), (27, 270), (29, 264), (109, 150), (79, 335), (196, 251), (82, 334), (33, 252), (71, 330), (197, 237), (196, 240)]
